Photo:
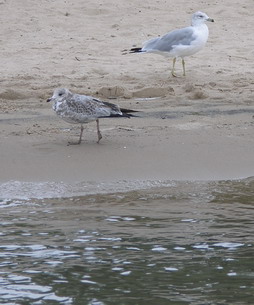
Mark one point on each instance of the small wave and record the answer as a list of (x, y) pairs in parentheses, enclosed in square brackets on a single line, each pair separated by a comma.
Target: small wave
[(14, 193), (44, 190)]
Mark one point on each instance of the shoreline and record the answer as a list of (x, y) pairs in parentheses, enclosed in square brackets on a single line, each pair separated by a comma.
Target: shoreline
[(194, 128), (212, 144), (17, 191)]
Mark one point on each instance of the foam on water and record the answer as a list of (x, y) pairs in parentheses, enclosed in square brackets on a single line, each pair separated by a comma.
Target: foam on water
[(39, 190), (14, 193)]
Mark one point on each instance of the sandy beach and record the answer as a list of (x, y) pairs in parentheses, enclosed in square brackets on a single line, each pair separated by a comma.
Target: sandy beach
[(198, 127)]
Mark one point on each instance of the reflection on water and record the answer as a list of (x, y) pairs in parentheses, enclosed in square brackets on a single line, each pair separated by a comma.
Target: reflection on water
[(191, 243)]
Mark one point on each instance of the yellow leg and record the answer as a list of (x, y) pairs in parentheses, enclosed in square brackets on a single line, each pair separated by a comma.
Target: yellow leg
[(173, 69), (183, 63)]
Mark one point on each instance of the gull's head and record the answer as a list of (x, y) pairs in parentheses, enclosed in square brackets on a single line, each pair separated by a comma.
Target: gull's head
[(200, 18), (59, 94)]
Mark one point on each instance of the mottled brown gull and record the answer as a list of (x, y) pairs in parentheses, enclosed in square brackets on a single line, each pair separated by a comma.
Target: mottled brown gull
[(83, 109), (181, 42)]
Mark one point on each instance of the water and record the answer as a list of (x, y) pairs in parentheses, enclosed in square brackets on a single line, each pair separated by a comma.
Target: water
[(188, 243)]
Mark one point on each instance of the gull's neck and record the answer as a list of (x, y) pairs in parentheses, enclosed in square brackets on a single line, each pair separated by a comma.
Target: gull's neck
[(197, 23)]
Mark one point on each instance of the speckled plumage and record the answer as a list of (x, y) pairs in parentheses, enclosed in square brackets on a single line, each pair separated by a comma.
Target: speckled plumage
[(82, 109)]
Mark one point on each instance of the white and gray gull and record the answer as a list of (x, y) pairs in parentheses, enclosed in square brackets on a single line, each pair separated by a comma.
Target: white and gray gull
[(83, 109), (181, 42)]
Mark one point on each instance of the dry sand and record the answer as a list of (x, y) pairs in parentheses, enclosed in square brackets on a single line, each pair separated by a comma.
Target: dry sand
[(198, 127)]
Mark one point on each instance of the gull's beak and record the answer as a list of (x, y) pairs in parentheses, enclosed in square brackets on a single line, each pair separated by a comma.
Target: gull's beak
[(210, 19), (49, 99)]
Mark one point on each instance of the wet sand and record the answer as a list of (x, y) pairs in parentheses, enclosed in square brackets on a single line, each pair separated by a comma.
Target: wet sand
[(198, 127)]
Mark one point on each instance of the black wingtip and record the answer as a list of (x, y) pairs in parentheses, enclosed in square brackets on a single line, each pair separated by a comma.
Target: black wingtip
[(128, 113), (124, 110), (135, 50), (123, 115)]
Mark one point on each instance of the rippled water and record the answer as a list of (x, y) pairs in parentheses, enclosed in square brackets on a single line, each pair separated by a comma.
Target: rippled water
[(188, 243)]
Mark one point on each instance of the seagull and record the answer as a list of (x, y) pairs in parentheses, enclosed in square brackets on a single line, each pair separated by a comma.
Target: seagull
[(181, 42), (83, 109)]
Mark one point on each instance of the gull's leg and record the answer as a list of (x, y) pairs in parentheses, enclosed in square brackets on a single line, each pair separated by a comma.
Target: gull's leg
[(173, 69), (183, 63), (81, 133), (80, 137), (98, 131)]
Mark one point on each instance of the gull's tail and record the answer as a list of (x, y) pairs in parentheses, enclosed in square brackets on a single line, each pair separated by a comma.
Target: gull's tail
[(133, 50), (123, 113), (136, 50), (126, 113)]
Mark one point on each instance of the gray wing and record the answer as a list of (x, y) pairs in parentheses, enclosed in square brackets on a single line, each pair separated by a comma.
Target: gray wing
[(91, 107), (165, 43)]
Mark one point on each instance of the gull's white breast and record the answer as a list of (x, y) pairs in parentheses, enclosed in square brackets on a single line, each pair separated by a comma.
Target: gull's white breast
[(201, 34)]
